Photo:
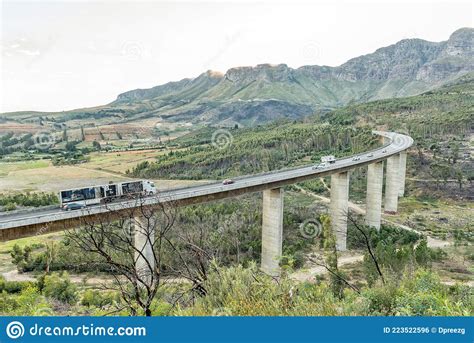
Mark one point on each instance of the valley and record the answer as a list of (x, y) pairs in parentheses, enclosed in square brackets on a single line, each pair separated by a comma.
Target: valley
[(247, 121)]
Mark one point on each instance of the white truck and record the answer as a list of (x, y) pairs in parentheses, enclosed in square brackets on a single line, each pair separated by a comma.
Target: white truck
[(328, 159), (93, 195)]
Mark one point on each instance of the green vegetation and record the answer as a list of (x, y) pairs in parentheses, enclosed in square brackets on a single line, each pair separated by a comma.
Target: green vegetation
[(12, 200), (232, 283), (59, 288), (55, 256), (246, 151), (400, 274), (246, 292), (70, 157), (236, 234), (443, 110), (395, 250), (9, 141), (440, 121)]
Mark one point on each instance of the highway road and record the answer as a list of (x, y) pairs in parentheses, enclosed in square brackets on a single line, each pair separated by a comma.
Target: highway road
[(214, 191)]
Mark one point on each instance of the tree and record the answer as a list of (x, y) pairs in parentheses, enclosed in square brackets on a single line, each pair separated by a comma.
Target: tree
[(361, 230), (455, 152), (65, 135), (96, 145), (71, 146), (138, 246), (137, 274), (329, 260), (459, 177), (60, 288), (435, 149)]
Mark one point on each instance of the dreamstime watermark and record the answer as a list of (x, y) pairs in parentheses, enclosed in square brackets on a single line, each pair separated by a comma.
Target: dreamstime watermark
[(222, 139), (15, 330), (311, 52), (132, 50), (43, 140), (311, 228), (398, 139), (42, 230), (223, 48)]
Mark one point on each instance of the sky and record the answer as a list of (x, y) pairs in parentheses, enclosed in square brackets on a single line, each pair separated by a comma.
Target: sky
[(61, 55)]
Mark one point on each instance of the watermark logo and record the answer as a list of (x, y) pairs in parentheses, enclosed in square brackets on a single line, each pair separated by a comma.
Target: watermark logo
[(222, 139), (311, 52), (43, 140), (132, 50), (223, 48), (398, 139), (42, 230), (310, 228), (15, 330)]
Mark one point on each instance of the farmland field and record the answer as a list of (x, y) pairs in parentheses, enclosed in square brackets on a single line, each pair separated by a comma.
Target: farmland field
[(103, 167), (119, 162)]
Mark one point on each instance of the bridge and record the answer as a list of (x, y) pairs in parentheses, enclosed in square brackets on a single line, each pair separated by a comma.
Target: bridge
[(393, 151)]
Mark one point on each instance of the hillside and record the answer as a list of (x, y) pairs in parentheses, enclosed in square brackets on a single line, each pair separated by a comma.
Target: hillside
[(249, 95), (447, 106), (440, 121), (268, 92)]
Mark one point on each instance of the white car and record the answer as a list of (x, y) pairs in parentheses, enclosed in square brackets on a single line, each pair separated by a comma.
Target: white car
[(370, 155), (357, 158), (384, 151), (320, 166)]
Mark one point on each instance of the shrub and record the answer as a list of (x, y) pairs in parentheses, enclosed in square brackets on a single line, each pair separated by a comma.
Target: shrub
[(10, 201), (12, 287), (26, 303), (380, 300), (57, 256), (11, 206), (60, 288), (395, 251), (94, 298), (424, 295), (246, 291)]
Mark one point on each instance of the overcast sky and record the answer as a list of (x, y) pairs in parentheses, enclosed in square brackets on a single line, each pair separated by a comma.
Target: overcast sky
[(60, 55)]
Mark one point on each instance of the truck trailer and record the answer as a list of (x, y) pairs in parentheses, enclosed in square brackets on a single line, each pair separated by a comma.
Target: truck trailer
[(328, 159), (93, 195)]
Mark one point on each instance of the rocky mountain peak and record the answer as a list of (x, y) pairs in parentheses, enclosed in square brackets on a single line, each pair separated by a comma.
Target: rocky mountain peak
[(262, 72), (408, 67), (461, 42)]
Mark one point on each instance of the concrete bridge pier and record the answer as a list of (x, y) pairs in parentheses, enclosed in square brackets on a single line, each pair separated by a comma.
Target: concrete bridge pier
[(143, 240), (392, 184), (272, 231), (403, 168), (339, 208), (374, 194)]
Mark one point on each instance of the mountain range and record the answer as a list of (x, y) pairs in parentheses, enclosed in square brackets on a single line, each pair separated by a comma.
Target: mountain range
[(249, 95)]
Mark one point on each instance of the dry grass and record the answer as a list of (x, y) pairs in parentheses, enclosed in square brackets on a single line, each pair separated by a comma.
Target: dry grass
[(435, 217), (119, 162), (103, 167), (18, 128)]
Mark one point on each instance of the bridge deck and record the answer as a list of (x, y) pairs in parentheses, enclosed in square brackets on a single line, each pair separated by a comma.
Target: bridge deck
[(42, 221)]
